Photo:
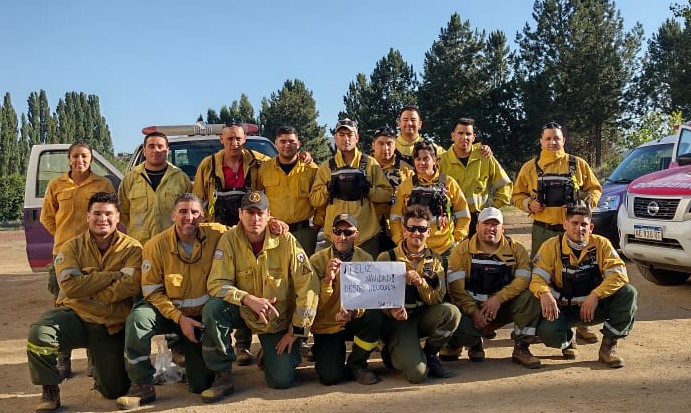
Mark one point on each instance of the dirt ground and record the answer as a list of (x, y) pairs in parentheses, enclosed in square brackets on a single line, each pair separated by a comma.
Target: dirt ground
[(657, 376)]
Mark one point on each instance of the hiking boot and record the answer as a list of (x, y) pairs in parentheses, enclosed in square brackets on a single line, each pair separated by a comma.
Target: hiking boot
[(261, 363), (243, 356), (64, 365), (608, 353), (137, 395), (450, 352), (435, 369), (50, 399), (584, 333), (178, 355), (221, 387), (571, 351), (522, 355), (363, 375), (476, 353)]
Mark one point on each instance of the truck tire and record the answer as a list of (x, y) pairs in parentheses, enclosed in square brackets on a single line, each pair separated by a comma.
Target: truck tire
[(662, 277)]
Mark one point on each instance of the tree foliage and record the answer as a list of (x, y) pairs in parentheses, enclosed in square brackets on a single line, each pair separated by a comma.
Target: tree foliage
[(9, 144), (79, 118), (12, 199), (294, 105)]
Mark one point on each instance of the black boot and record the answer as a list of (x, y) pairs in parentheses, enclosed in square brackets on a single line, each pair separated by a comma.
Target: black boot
[(434, 367)]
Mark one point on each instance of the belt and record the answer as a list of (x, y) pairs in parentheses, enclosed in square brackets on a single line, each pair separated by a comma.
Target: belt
[(553, 227), (299, 225)]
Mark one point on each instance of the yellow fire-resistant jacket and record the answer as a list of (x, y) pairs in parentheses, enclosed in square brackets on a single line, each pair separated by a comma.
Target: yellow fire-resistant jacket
[(406, 148), (547, 266), (483, 181), (429, 295), (173, 282), (99, 287), (383, 209), (281, 270), (443, 234), (512, 254), (64, 206), (330, 295), (205, 184), (289, 195), (146, 212), (363, 211), (525, 187)]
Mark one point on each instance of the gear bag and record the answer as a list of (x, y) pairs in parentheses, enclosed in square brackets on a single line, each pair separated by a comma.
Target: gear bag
[(488, 275), (578, 280), (433, 197), (347, 183), (556, 189), (227, 200)]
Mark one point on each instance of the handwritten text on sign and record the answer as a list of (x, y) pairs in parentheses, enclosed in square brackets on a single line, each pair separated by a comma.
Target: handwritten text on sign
[(372, 285)]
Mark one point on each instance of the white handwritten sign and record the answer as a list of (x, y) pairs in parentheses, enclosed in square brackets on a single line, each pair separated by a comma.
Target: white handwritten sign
[(372, 285)]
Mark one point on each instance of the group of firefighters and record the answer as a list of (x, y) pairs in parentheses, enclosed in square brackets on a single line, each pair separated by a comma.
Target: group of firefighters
[(235, 252)]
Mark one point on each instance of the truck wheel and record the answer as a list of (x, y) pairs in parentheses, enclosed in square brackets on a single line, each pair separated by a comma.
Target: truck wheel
[(662, 277)]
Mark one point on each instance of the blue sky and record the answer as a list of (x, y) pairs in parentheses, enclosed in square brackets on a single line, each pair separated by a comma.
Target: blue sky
[(164, 62)]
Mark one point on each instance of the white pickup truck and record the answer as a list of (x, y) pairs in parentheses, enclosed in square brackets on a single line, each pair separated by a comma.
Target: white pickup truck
[(655, 219)]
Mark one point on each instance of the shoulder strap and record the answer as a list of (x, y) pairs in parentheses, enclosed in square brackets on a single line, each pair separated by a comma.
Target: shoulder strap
[(332, 163), (363, 163), (572, 165), (442, 180), (416, 181), (392, 255), (217, 180), (539, 170)]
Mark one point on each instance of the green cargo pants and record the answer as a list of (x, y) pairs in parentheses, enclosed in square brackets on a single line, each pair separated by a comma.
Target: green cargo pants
[(402, 338), (144, 322), (540, 234), (307, 237), (329, 349), (63, 328), (523, 311), (616, 312)]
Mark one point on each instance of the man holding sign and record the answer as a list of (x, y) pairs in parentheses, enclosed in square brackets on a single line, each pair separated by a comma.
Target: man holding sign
[(424, 313), (333, 324)]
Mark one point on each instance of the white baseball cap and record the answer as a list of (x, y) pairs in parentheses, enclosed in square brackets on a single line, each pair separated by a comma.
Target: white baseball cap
[(490, 213)]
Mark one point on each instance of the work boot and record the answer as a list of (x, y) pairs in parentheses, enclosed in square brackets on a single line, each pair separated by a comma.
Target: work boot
[(584, 333), (64, 364), (137, 395), (522, 355), (571, 351), (435, 369), (476, 353), (50, 399), (243, 356), (450, 352), (221, 387), (608, 353), (363, 375)]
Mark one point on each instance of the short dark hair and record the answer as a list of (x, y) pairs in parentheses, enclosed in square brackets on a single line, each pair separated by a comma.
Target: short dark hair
[(427, 144), (412, 108), (187, 197), (286, 130), (83, 144), (466, 121), (417, 211), (104, 198), (578, 209), (156, 134)]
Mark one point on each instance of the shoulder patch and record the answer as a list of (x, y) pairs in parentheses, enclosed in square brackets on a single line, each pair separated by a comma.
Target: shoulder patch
[(59, 259), (146, 266), (301, 257), (218, 254)]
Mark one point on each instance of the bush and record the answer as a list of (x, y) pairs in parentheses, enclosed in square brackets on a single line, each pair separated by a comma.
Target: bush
[(12, 198)]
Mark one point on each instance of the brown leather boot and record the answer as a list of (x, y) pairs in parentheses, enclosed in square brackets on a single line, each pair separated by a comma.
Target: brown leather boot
[(584, 333), (50, 399), (221, 387), (608, 353), (138, 395), (522, 355), (571, 351)]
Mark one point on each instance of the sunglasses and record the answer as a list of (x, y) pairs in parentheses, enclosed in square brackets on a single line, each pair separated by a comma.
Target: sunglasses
[(347, 232), (419, 228), (346, 122), (234, 122), (551, 125), (384, 131)]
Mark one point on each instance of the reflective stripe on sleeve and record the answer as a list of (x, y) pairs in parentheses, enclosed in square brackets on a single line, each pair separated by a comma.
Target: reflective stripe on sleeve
[(614, 270), (395, 217), (365, 345), (149, 288), (191, 302), (223, 291), (40, 350), (522, 273), (478, 297), (455, 276), (460, 214), (542, 273), (69, 271)]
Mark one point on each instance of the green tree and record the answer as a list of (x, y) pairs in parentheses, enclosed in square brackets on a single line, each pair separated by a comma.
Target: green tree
[(23, 146), (243, 109), (294, 105), (12, 199), (9, 150), (43, 127), (79, 118), (212, 117)]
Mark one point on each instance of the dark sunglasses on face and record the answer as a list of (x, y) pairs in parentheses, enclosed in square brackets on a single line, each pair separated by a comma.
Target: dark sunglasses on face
[(384, 131), (346, 122), (419, 228), (347, 232), (551, 125)]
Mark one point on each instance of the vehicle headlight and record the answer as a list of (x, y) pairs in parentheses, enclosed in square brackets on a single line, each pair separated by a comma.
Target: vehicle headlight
[(608, 203)]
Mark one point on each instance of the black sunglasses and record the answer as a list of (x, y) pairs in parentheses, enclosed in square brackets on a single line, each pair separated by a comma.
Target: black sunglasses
[(551, 125), (346, 122), (234, 122), (347, 232), (384, 131), (419, 228)]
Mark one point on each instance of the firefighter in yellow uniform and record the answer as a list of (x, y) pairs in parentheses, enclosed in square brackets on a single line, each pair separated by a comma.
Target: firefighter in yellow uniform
[(409, 126), (287, 181), (263, 281), (438, 192), (99, 273), (148, 192), (482, 179), (175, 267), (580, 280), (351, 182), (333, 325)]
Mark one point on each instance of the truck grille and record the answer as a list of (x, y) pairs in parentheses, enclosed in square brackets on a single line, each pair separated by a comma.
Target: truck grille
[(667, 208), (665, 243)]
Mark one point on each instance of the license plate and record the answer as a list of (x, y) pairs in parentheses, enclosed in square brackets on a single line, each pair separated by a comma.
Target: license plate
[(650, 232)]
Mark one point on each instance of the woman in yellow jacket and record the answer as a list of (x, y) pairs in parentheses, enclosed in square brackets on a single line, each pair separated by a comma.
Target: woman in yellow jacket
[(441, 194)]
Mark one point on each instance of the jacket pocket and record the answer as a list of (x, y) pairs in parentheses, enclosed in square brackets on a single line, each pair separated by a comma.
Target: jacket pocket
[(174, 285)]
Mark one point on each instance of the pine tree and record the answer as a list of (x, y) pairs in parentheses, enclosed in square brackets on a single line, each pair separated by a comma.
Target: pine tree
[(9, 150)]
